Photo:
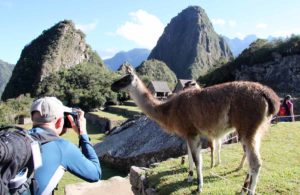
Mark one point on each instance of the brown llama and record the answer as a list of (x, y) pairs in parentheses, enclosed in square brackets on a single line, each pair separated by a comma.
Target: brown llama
[(212, 144), (214, 111)]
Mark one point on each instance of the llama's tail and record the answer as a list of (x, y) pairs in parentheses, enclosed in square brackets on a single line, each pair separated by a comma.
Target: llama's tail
[(272, 100)]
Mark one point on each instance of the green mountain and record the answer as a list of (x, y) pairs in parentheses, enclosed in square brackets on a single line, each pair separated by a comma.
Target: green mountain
[(5, 74), (61, 46), (155, 70)]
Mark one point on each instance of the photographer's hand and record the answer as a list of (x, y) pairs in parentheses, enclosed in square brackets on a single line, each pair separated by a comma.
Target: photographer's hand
[(81, 122)]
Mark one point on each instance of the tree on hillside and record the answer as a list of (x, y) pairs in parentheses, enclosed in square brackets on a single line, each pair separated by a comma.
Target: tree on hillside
[(11, 108), (86, 86), (155, 70)]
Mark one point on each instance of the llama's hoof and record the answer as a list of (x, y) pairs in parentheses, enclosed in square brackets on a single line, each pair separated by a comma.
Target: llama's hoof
[(246, 191), (239, 168), (199, 190)]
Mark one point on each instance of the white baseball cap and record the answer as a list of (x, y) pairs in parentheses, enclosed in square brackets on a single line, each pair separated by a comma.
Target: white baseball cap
[(50, 109)]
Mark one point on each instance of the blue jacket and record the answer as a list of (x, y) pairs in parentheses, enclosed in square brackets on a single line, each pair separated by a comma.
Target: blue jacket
[(59, 156)]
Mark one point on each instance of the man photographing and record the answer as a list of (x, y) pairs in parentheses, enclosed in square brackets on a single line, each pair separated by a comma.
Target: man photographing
[(60, 155)]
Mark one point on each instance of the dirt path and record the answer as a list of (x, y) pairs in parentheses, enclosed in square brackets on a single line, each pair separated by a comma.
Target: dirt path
[(114, 186)]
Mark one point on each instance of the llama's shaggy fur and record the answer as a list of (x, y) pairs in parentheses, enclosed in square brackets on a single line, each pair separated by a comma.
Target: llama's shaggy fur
[(214, 145), (246, 107)]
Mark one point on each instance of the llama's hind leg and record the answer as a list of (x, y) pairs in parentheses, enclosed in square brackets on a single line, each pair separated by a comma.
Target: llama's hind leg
[(253, 156), (195, 147)]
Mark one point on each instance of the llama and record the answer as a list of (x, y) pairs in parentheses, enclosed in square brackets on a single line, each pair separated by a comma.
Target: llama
[(214, 111), (212, 144)]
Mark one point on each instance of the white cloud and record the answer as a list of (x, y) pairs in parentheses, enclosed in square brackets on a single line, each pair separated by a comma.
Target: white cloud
[(261, 26), (220, 22), (87, 27), (144, 29)]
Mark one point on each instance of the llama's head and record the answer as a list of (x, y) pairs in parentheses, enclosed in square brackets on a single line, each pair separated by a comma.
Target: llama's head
[(127, 81)]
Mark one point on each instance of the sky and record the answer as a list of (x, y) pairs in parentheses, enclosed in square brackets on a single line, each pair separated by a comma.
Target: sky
[(112, 26)]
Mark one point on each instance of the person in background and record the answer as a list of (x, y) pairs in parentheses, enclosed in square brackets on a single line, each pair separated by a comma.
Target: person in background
[(286, 110), (60, 155)]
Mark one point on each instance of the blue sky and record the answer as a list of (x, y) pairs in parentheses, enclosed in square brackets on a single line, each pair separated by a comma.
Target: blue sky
[(120, 25)]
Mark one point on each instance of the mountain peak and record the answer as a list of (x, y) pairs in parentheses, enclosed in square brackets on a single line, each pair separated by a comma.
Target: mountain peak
[(190, 46), (61, 46)]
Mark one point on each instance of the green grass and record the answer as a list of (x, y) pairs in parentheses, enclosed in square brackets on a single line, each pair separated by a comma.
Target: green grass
[(280, 173), (111, 116), (130, 108)]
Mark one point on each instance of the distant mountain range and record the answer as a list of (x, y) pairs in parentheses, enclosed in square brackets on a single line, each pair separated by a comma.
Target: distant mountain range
[(238, 45), (134, 57)]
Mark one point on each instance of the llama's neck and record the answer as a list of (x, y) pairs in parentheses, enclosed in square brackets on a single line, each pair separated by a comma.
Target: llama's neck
[(145, 100)]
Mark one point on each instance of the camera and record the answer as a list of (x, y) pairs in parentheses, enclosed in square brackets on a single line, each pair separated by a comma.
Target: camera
[(67, 123)]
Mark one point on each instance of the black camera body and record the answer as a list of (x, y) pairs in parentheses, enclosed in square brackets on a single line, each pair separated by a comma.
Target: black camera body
[(67, 123)]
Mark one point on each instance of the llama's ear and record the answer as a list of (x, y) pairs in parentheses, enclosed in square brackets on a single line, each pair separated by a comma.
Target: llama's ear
[(129, 69)]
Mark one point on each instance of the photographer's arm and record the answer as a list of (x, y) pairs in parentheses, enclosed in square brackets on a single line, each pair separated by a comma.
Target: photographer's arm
[(87, 165)]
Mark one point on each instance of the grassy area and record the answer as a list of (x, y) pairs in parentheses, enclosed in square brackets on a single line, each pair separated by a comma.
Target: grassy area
[(111, 116), (280, 173), (130, 108)]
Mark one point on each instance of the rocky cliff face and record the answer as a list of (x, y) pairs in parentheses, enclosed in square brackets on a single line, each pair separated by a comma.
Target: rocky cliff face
[(5, 74), (190, 46), (276, 64), (61, 46), (282, 73)]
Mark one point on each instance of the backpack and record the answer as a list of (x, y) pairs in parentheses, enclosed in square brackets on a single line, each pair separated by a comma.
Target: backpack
[(16, 159)]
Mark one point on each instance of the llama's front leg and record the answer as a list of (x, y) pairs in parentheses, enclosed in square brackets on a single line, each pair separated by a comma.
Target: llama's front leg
[(219, 145), (191, 164), (195, 146), (242, 162), (211, 144), (243, 158)]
